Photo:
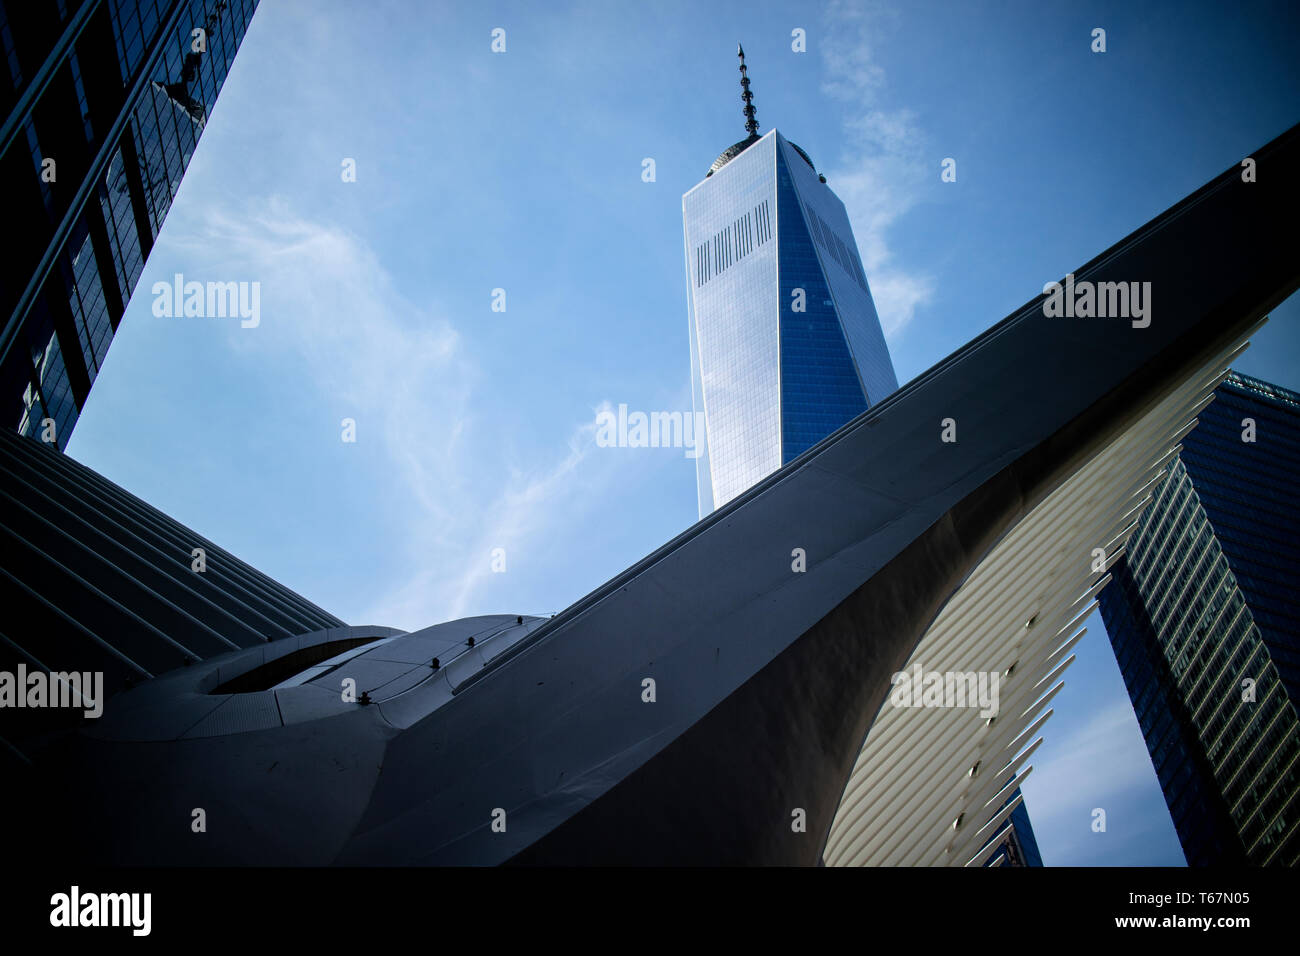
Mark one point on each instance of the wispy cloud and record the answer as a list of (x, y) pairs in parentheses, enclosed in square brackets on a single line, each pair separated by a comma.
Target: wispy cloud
[(1103, 765), (878, 177), (1109, 741), (527, 507), (400, 369), (326, 298)]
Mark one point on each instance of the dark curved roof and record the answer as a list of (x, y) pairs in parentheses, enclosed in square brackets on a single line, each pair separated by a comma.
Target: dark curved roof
[(731, 152)]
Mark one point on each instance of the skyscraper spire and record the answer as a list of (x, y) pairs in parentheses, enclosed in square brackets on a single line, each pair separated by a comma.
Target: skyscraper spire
[(751, 124)]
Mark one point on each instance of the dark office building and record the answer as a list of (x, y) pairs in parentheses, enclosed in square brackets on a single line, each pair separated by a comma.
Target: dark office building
[(1019, 846), (104, 102), (1204, 615)]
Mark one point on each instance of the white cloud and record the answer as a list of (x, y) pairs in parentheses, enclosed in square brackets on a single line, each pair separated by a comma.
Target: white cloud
[(878, 176), (1102, 764), (1102, 760), (398, 367), (529, 506), (327, 298)]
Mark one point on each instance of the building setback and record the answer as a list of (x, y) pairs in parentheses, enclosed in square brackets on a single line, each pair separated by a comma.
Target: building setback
[(104, 102), (1204, 616)]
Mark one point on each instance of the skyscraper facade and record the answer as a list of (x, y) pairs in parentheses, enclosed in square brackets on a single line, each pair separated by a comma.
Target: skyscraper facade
[(1016, 843), (104, 102), (1204, 617), (785, 345)]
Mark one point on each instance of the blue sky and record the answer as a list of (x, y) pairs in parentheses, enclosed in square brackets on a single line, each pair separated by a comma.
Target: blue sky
[(522, 171)]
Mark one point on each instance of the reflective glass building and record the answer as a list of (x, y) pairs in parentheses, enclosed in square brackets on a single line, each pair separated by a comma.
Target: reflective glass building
[(1204, 616), (786, 345), (1016, 845), (104, 102)]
